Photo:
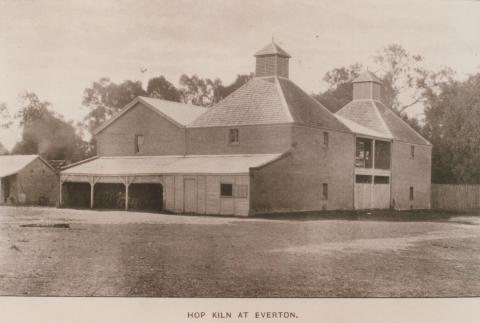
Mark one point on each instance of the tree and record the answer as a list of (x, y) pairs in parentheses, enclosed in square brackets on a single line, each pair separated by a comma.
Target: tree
[(47, 133), (104, 98), (160, 88), (221, 91), (452, 116), (340, 90), (5, 117), (197, 91)]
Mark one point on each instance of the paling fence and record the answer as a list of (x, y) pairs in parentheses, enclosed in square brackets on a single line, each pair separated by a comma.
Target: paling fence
[(460, 197)]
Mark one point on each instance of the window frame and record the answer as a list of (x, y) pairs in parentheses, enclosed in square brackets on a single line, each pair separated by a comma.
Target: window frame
[(138, 148), (326, 139), (233, 136), (231, 190), (412, 152), (325, 191), (411, 193)]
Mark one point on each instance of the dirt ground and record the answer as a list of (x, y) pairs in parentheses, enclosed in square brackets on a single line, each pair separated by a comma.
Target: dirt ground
[(116, 253)]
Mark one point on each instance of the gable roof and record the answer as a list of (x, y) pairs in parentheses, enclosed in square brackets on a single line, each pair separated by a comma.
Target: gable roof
[(375, 116), (179, 114), (268, 100), (12, 164), (272, 49)]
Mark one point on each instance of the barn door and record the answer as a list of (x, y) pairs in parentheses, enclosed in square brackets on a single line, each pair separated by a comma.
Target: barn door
[(190, 196), (370, 195)]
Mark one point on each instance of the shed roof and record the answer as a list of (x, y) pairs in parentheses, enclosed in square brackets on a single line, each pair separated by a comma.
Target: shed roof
[(158, 165), (268, 100), (180, 114), (12, 164)]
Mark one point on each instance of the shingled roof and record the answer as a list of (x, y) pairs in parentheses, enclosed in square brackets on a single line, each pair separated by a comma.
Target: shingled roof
[(272, 49), (269, 100), (375, 116), (367, 77)]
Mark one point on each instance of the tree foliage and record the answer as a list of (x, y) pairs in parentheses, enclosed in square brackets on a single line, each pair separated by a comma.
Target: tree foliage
[(47, 133), (104, 98), (452, 119)]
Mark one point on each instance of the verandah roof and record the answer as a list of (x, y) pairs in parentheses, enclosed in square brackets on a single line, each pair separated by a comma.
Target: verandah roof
[(158, 165)]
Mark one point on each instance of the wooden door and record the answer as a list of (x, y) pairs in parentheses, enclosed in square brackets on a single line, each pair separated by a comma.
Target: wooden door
[(190, 195), (363, 196), (381, 196)]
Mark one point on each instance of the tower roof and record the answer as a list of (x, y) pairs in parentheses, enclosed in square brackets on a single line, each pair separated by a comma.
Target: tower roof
[(272, 49), (367, 76)]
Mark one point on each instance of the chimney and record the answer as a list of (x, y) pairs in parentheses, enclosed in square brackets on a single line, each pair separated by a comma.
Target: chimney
[(271, 61), (367, 87)]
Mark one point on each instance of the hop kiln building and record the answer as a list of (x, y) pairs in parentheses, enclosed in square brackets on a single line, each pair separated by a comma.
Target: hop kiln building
[(268, 147)]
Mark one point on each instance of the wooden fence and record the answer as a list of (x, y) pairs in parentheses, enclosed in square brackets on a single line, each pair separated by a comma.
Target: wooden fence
[(456, 197)]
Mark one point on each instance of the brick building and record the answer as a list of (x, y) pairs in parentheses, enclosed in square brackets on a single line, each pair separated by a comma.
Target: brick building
[(27, 179), (267, 147)]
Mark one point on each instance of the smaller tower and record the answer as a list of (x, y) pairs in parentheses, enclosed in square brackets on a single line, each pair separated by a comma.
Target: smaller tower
[(367, 87), (271, 61)]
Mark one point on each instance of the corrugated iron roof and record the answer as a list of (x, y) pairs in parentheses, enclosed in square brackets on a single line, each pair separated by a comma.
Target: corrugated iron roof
[(269, 100), (158, 165), (272, 49), (12, 164), (178, 113)]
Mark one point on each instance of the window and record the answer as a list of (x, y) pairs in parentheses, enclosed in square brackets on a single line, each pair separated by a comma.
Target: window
[(325, 139), (412, 152), (363, 155), (411, 193), (363, 179), (381, 180), (382, 154), (233, 136), (325, 191), (139, 139), (226, 190)]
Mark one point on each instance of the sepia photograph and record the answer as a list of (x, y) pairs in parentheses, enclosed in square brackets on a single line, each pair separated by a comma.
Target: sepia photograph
[(250, 150)]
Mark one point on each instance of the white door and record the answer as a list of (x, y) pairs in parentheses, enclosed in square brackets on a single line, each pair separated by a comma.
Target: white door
[(381, 196), (363, 196), (190, 196)]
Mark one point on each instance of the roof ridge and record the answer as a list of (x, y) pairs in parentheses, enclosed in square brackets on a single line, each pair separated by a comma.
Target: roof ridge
[(381, 118), (283, 100)]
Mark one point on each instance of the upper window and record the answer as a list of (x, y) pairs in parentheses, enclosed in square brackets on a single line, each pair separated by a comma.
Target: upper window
[(412, 152), (325, 139), (363, 155), (411, 193), (139, 139), (226, 190), (233, 136), (382, 154)]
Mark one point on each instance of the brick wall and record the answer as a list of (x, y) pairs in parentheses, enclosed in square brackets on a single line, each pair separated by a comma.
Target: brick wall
[(161, 137), (295, 183), (252, 140), (408, 172)]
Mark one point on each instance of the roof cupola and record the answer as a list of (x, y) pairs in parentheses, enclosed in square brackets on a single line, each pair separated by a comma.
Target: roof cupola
[(271, 61), (367, 87)]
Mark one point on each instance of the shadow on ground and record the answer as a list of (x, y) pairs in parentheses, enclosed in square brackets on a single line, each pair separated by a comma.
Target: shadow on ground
[(376, 215)]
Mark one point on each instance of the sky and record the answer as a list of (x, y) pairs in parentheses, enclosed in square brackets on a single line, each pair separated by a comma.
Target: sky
[(58, 48)]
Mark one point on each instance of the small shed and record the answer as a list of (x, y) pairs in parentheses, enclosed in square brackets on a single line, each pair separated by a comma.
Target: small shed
[(27, 179)]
